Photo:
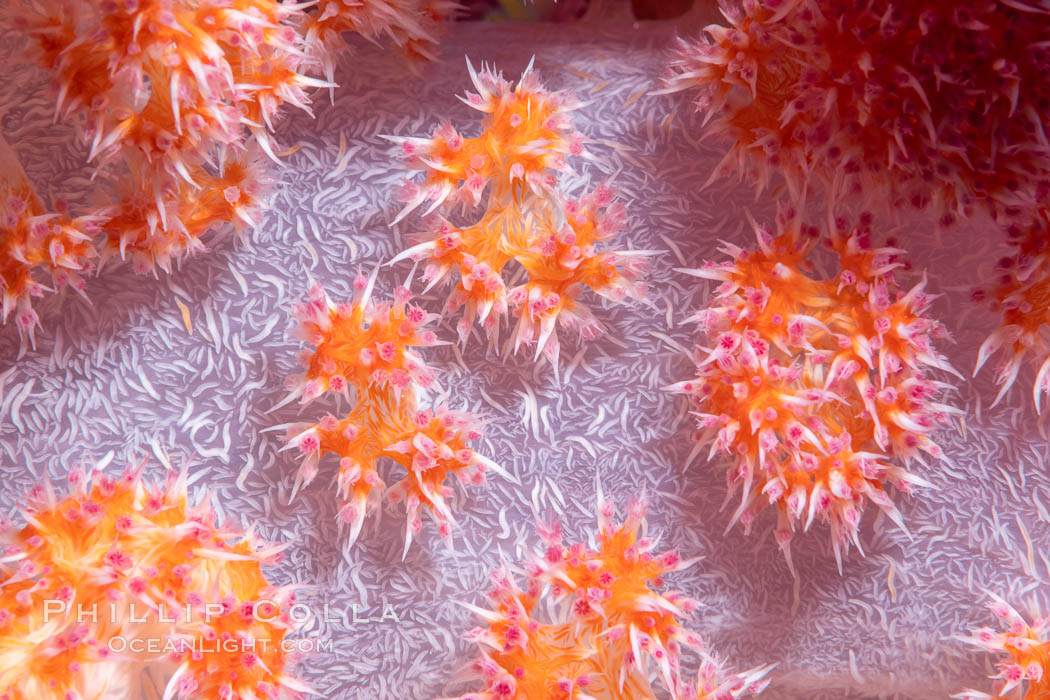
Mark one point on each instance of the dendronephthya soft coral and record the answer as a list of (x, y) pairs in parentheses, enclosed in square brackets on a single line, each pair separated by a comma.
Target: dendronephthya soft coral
[(1020, 292), (178, 99), (37, 247), (592, 624), (411, 24), (1025, 671), (117, 575), (171, 89), (508, 175), (917, 103), (364, 351), (816, 389)]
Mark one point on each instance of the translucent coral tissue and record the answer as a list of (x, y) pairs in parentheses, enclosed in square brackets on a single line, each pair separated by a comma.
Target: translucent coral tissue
[(592, 623), (819, 392), (118, 575)]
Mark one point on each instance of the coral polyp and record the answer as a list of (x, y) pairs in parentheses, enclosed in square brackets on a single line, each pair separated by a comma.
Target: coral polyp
[(908, 104), (364, 351), (1024, 650), (1020, 291), (816, 389), (506, 179), (117, 575), (592, 624)]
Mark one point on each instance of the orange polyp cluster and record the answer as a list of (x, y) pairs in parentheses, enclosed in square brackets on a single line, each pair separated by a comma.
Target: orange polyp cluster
[(916, 103), (921, 105), (614, 634), (366, 348), (157, 230), (526, 134), (171, 89), (171, 80), (117, 561), (816, 389), (33, 239), (357, 344), (1020, 292), (1026, 667), (412, 25), (526, 138)]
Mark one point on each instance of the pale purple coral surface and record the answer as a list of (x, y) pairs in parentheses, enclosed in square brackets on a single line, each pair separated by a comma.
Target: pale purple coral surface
[(124, 375)]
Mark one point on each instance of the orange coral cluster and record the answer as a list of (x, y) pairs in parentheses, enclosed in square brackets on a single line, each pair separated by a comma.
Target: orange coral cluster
[(363, 350), (613, 633), (816, 389), (411, 24), (925, 105), (32, 239), (179, 96), (118, 574), (919, 103), (526, 139), (171, 88), (1026, 668), (1020, 292)]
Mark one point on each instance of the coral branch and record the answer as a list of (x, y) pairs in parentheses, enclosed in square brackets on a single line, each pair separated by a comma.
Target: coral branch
[(908, 103), (412, 25), (172, 90)]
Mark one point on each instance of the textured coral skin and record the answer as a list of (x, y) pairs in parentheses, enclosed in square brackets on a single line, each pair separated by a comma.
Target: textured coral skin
[(611, 632), (150, 566), (363, 350), (1026, 669), (816, 389), (919, 103), (512, 165)]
